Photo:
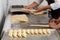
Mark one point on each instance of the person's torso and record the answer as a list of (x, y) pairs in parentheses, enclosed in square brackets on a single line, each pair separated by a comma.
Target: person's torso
[(50, 1), (55, 13)]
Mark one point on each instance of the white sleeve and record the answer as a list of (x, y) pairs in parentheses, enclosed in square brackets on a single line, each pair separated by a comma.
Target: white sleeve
[(55, 5)]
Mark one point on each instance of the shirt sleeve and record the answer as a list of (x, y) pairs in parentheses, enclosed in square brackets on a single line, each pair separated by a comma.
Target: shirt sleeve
[(55, 5)]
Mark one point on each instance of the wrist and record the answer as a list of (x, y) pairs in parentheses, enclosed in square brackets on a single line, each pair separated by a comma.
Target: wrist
[(33, 4), (46, 7), (40, 9)]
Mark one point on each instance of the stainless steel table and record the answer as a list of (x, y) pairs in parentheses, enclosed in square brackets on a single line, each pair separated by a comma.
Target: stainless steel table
[(32, 20)]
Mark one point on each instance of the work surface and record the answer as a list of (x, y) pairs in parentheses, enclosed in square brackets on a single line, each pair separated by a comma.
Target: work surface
[(32, 20), (42, 19)]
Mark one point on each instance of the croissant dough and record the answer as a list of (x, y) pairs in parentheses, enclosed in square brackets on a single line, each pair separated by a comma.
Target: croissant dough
[(19, 33), (22, 33), (28, 31), (40, 13), (40, 31), (44, 31), (10, 34), (36, 31), (48, 31), (15, 33), (19, 18), (32, 31)]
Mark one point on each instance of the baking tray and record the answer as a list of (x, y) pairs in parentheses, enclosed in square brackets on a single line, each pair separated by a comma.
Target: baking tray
[(33, 20), (36, 19)]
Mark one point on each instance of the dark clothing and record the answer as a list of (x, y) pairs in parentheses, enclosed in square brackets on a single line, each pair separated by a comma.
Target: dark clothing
[(54, 13), (50, 1)]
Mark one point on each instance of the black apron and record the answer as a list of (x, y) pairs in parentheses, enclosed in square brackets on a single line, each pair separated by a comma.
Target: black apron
[(54, 13)]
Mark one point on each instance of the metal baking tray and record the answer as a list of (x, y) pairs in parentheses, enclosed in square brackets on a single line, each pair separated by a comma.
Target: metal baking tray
[(40, 19)]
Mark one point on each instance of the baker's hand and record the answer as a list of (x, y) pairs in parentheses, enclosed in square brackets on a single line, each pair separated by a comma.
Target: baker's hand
[(53, 24), (26, 10), (58, 20), (39, 9), (52, 20), (28, 7)]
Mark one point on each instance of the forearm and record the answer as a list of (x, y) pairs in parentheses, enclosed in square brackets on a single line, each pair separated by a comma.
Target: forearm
[(41, 8), (46, 7), (33, 4)]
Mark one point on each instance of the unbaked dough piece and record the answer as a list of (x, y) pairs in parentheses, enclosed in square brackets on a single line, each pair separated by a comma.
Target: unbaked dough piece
[(19, 18), (36, 31), (19, 33), (15, 33), (30, 10), (44, 31), (18, 9), (39, 25), (28, 31), (48, 31), (14, 18), (24, 9), (24, 35), (19, 30), (40, 31), (23, 18), (10, 34), (24, 31), (40, 13), (32, 31)]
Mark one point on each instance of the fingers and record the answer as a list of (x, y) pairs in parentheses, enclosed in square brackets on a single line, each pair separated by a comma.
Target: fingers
[(27, 10), (53, 20), (39, 8), (28, 7), (58, 20), (54, 25)]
